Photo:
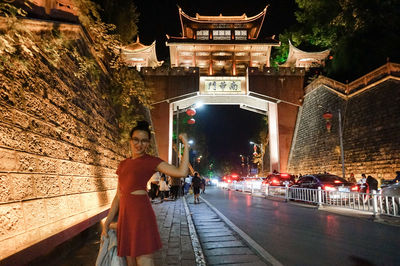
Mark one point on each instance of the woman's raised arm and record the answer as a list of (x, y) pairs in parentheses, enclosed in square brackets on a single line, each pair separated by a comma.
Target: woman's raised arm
[(183, 168)]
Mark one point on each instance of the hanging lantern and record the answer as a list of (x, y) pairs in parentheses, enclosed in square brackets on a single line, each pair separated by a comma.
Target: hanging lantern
[(255, 150), (191, 121), (191, 112), (328, 116), (328, 126)]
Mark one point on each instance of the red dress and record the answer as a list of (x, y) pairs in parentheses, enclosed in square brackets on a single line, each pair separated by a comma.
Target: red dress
[(137, 230)]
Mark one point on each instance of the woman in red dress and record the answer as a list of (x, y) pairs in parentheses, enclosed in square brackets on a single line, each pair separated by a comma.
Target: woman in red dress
[(137, 231)]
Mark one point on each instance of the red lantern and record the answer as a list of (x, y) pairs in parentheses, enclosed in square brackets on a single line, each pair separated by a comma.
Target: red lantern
[(328, 116), (191, 121), (191, 112), (328, 126)]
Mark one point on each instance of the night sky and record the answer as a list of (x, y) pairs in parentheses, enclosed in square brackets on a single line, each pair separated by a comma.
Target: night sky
[(228, 129), (160, 17)]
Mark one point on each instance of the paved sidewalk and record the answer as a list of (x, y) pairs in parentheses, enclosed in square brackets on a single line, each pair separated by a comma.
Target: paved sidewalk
[(191, 235), (175, 236)]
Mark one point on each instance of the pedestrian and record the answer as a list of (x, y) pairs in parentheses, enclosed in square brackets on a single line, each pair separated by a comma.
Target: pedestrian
[(188, 181), (363, 188), (137, 231), (397, 178), (154, 185), (196, 184), (363, 184), (352, 179), (203, 185), (372, 183), (163, 187), (175, 185)]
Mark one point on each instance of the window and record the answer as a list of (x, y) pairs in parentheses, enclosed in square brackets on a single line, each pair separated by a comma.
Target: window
[(202, 35), (240, 34), (221, 34)]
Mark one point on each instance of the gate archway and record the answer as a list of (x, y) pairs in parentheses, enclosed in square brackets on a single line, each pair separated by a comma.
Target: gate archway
[(274, 92)]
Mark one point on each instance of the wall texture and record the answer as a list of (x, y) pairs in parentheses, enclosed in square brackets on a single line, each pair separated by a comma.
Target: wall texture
[(58, 146), (371, 126)]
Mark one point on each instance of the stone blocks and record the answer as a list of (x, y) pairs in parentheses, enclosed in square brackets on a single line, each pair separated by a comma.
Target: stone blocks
[(371, 130)]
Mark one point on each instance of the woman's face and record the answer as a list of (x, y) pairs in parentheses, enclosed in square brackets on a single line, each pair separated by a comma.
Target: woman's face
[(139, 142)]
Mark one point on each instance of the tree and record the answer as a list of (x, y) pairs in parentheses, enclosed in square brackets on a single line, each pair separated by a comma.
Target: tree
[(360, 33), (123, 14)]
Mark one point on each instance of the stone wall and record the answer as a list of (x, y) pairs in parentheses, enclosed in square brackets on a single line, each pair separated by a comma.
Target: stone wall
[(59, 150), (371, 129)]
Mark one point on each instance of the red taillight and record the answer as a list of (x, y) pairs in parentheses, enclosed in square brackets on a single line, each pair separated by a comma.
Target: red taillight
[(354, 188), (329, 188), (274, 181), (229, 181), (337, 181)]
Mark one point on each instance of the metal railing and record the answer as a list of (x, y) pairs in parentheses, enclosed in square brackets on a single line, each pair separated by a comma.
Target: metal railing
[(374, 202)]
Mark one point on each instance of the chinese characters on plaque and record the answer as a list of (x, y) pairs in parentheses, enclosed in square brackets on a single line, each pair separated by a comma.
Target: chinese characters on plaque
[(222, 86)]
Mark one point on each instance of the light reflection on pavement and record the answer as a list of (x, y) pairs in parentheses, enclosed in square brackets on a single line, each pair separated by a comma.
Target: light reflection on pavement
[(297, 235)]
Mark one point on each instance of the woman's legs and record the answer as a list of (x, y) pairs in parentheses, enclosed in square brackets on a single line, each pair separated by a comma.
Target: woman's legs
[(145, 260), (130, 261)]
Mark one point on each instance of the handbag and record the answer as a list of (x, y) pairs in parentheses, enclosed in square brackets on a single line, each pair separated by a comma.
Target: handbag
[(190, 191)]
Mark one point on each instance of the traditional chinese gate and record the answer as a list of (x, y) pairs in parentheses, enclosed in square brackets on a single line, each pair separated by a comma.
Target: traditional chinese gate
[(274, 92)]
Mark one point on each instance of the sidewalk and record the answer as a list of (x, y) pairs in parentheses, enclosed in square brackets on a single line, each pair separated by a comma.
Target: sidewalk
[(191, 234), (221, 244)]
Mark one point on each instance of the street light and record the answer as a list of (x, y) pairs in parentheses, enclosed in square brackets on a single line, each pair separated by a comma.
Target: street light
[(262, 155)]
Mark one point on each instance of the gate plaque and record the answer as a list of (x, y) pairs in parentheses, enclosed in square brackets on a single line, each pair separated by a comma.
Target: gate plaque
[(223, 85)]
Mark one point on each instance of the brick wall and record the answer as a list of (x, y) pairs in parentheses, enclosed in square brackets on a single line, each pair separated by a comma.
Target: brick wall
[(371, 131), (59, 150)]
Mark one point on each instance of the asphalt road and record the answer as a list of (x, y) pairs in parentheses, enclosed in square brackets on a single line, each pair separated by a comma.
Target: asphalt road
[(296, 235)]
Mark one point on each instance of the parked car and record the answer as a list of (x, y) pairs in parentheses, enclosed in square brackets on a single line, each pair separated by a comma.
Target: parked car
[(279, 179), (391, 198), (230, 178), (327, 182)]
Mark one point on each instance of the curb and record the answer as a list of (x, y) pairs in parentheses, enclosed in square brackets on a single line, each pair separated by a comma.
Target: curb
[(197, 249), (254, 245)]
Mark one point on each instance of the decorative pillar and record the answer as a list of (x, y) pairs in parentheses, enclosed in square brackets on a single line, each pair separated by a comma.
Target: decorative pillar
[(162, 118), (273, 136)]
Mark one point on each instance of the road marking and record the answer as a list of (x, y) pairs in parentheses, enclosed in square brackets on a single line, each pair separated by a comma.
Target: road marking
[(262, 252), (197, 249)]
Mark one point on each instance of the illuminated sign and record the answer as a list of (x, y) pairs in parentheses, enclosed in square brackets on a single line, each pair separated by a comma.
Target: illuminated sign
[(223, 85)]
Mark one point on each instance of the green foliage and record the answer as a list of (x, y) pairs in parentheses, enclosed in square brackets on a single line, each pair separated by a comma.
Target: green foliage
[(350, 29), (123, 14), (21, 51), (9, 10), (127, 91)]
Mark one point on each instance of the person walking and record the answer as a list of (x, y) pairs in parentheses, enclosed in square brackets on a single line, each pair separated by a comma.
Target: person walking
[(363, 187), (154, 185), (196, 184), (163, 188), (137, 231), (372, 184), (203, 185), (175, 185)]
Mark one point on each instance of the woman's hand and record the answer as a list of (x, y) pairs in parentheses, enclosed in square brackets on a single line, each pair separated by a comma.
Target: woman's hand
[(104, 231)]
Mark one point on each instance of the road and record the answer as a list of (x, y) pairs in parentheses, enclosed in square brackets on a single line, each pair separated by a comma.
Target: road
[(296, 235)]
